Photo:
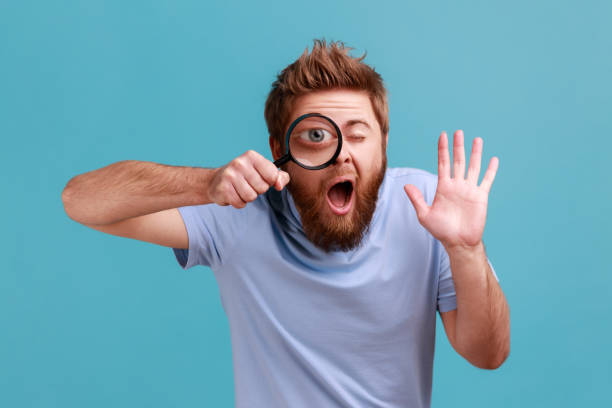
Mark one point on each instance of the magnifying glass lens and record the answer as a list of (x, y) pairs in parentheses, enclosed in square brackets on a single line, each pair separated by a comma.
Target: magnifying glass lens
[(313, 141)]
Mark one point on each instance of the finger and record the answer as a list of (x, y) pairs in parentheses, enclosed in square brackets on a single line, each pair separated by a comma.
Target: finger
[(417, 200), (489, 176), (234, 200), (226, 195), (255, 181), (443, 157), (266, 169), (282, 180), (244, 190), (475, 159), (458, 156)]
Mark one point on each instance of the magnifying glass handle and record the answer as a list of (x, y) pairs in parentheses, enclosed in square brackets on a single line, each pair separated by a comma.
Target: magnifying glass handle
[(282, 160)]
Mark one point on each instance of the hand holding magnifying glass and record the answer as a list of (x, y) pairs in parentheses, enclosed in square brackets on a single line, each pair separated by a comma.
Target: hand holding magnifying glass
[(313, 141)]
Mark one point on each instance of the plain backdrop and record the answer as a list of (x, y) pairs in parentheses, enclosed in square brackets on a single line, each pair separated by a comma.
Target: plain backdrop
[(92, 320)]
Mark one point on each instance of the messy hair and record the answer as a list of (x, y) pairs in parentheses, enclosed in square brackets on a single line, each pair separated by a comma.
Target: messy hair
[(325, 67)]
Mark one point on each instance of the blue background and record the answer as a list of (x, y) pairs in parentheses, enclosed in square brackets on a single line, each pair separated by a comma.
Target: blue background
[(92, 320)]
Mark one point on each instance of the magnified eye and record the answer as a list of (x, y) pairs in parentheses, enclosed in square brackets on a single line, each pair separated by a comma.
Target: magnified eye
[(316, 135)]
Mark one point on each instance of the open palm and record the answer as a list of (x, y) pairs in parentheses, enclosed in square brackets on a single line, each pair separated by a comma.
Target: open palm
[(458, 213)]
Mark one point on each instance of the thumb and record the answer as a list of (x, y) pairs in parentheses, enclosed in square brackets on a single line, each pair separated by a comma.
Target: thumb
[(417, 200), (281, 180)]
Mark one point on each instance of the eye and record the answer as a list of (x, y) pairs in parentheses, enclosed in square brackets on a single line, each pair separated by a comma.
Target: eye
[(315, 135), (357, 137)]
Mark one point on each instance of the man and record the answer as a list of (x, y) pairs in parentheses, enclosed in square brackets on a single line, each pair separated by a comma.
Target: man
[(330, 278)]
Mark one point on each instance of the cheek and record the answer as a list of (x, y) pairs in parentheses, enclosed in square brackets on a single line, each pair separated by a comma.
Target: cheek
[(370, 158), (304, 179)]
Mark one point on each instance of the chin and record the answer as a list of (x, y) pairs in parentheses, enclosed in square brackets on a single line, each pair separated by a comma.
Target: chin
[(332, 230), (337, 215)]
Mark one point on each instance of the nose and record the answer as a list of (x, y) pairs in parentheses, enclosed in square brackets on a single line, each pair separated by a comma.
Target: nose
[(345, 154)]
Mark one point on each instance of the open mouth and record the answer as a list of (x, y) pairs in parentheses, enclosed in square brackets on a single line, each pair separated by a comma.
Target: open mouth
[(340, 197)]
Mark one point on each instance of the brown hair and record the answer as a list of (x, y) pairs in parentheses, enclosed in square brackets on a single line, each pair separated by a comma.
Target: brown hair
[(326, 67)]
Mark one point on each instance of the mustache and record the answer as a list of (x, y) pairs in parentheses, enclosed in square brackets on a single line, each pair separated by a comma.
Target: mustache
[(334, 171), (338, 232)]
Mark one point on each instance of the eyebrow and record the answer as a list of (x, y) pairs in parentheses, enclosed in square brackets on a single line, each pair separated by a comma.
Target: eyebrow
[(354, 122)]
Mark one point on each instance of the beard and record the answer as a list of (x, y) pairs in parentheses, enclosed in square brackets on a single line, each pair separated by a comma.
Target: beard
[(338, 232)]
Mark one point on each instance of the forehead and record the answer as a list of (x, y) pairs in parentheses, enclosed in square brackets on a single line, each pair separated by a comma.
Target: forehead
[(339, 104)]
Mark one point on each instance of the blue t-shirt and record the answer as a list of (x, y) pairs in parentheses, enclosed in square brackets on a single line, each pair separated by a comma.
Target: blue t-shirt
[(315, 329)]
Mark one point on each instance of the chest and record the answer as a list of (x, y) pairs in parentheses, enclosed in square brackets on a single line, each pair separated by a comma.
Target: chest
[(386, 291)]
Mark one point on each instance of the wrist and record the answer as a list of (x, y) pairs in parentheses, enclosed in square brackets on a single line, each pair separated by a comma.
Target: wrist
[(464, 250), (202, 188)]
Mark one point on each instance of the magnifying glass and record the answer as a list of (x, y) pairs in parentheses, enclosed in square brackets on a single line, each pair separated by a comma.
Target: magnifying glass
[(313, 141)]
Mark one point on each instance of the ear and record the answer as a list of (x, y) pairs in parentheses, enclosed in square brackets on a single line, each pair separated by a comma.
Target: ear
[(275, 148), (386, 141)]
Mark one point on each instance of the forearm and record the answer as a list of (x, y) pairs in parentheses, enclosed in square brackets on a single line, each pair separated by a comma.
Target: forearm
[(132, 188), (482, 327)]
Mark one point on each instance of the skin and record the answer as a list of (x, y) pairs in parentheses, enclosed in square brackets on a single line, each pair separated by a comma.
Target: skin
[(243, 179), (361, 154), (139, 200), (479, 329)]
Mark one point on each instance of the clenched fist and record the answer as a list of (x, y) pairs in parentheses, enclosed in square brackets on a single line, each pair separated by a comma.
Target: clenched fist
[(244, 178)]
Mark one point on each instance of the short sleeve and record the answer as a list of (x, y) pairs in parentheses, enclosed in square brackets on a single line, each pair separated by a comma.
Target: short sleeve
[(447, 299), (212, 231)]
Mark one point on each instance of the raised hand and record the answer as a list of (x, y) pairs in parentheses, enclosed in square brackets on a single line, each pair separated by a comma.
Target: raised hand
[(244, 178), (458, 213)]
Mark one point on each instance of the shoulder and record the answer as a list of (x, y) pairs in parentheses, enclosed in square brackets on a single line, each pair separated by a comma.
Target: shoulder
[(217, 218), (410, 173), (426, 182)]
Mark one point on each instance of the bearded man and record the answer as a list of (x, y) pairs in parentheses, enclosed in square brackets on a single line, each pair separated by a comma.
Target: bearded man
[(330, 278)]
